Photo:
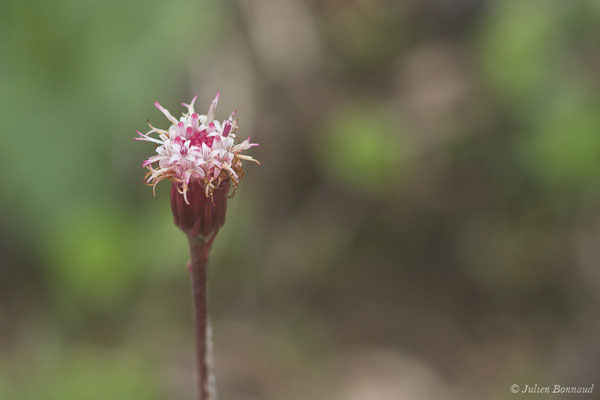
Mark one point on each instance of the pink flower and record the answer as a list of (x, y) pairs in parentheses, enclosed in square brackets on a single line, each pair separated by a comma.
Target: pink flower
[(196, 149)]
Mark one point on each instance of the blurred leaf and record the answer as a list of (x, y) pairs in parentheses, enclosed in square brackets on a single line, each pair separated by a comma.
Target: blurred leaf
[(91, 374), (520, 47), (564, 146), (92, 258), (362, 146)]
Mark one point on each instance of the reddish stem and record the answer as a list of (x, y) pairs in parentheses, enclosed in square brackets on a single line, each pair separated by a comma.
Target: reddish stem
[(199, 249)]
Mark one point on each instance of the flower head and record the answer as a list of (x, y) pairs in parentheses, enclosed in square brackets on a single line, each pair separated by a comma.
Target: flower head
[(196, 150)]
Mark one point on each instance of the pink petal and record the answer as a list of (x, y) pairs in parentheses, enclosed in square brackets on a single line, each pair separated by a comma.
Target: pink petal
[(226, 128), (165, 112), (213, 106)]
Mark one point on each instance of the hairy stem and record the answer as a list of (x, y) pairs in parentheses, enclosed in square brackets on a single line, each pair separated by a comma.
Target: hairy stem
[(199, 249)]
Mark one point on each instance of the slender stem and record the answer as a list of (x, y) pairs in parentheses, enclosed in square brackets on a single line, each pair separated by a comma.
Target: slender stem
[(199, 249)]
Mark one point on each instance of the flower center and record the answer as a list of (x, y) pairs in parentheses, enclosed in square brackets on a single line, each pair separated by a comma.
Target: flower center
[(199, 137)]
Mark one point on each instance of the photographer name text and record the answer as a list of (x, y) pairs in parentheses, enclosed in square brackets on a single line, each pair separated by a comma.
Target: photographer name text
[(554, 389)]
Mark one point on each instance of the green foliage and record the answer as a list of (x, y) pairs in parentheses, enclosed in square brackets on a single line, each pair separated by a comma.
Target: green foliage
[(528, 56), (362, 146), (564, 145), (520, 47), (91, 373), (96, 266)]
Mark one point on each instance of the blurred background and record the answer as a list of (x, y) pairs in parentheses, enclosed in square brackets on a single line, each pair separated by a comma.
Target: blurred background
[(424, 225)]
